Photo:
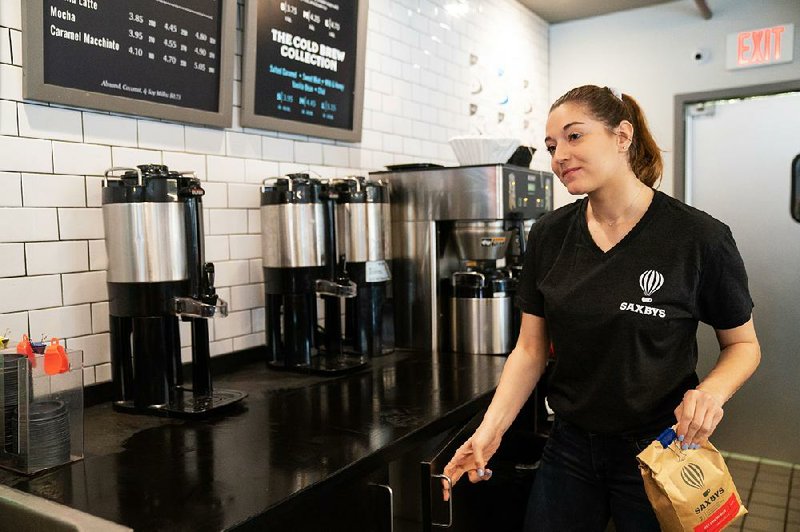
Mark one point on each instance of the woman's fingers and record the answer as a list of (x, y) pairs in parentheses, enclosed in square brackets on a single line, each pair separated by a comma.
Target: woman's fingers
[(698, 416)]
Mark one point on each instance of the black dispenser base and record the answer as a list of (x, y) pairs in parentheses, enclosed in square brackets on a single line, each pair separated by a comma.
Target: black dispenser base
[(185, 404), (323, 365)]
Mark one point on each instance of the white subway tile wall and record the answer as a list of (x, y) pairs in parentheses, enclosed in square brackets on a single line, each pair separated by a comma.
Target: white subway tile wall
[(13, 260), (10, 190), (5, 45), (423, 64), (110, 129), (98, 259), (48, 190), (44, 122), (99, 317), (57, 257), (76, 158)]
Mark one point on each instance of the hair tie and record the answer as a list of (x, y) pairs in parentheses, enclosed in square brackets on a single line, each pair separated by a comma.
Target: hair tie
[(616, 92)]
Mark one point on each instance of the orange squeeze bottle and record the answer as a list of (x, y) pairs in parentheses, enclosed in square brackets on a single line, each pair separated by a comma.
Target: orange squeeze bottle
[(55, 358)]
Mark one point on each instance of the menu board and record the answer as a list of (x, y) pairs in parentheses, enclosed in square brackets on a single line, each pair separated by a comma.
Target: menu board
[(304, 66), (162, 58)]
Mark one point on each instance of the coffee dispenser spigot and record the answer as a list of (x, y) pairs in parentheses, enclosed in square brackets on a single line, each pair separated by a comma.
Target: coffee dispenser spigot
[(157, 274), (206, 304), (515, 223)]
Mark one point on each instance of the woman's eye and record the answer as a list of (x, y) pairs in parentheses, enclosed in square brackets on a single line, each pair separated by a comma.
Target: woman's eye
[(574, 136), (551, 150)]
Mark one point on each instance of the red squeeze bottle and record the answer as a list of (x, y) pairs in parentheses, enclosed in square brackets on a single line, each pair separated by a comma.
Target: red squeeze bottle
[(24, 348)]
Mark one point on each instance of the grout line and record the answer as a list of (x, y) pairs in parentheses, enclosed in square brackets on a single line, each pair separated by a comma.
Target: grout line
[(10, 46), (788, 498), (743, 457), (750, 491), (767, 461)]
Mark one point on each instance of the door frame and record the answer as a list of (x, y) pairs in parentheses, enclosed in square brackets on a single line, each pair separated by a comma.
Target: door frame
[(683, 100)]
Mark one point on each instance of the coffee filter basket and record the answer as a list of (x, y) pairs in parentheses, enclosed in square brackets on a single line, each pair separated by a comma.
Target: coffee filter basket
[(479, 149)]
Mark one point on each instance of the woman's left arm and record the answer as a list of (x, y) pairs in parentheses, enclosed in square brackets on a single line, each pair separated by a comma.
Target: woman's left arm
[(701, 409)]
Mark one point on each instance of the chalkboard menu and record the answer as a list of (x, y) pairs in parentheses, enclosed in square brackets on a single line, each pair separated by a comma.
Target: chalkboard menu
[(304, 66), (168, 59)]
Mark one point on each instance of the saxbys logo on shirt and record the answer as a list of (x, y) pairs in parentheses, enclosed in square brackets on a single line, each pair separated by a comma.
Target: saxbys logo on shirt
[(649, 281)]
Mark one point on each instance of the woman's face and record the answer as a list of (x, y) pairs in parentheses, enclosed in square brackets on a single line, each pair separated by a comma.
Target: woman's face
[(585, 153)]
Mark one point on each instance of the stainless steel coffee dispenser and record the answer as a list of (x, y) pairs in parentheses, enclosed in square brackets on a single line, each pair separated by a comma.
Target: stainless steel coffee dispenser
[(363, 236), (433, 211), (156, 274), (305, 256)]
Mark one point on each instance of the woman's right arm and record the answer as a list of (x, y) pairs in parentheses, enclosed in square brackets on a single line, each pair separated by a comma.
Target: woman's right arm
[(522, 371)]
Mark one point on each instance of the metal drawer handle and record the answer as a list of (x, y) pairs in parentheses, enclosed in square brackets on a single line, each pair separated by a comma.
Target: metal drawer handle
[(449, 502), (391, 504)]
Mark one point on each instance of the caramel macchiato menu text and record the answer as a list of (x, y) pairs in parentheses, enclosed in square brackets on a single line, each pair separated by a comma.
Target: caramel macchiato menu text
[(163, 51)]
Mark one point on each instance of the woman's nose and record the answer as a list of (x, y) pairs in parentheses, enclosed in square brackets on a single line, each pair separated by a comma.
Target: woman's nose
[(560, 153)]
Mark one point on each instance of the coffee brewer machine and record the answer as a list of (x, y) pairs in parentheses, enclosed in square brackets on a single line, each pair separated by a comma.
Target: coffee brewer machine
[(323, 238), (458, 240), (480, 295), (157, 273)]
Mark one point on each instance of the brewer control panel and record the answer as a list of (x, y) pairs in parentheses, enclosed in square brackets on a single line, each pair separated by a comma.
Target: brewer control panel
[(528, 192), (478, 192)]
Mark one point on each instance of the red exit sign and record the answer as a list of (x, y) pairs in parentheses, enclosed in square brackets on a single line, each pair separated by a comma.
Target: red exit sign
[(764, 46)]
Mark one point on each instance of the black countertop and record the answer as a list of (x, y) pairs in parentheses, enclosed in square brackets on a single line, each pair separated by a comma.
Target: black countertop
[(291, 434)]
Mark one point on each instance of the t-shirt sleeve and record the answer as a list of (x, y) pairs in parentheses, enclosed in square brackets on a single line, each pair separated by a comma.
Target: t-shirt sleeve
[(724, 300), (529, 299)]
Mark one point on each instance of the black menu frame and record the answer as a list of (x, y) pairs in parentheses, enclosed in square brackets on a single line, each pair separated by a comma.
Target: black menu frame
[(354, 89), (35, 87)]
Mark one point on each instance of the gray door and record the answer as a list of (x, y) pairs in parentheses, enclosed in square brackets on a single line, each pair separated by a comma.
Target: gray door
[(738, 168)]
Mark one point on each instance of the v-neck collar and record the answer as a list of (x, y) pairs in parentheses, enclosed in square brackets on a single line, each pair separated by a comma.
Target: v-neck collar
[(635, 230)]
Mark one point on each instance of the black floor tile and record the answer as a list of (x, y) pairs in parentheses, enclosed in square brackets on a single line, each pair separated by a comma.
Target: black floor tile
[(774, 513), (758, 524), (770, 499), (771, 493), (774, 488)]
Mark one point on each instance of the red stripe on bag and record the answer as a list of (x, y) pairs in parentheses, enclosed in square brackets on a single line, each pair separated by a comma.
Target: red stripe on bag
[(721, 517)]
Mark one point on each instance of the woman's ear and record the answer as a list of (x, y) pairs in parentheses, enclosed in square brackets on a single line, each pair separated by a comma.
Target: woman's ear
[(624, 135)]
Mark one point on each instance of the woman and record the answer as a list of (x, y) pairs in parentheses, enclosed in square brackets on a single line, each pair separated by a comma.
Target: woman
[(617, 283)]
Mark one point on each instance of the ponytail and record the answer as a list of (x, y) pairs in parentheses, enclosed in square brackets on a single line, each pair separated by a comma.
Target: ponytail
[(644, 155)]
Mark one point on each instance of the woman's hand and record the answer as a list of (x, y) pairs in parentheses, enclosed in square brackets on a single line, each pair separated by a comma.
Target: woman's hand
[(701, 409), (522, 370), (698, 416), (471, 458)]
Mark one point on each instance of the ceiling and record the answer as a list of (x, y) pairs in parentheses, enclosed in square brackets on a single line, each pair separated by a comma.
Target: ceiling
[(563, 10)]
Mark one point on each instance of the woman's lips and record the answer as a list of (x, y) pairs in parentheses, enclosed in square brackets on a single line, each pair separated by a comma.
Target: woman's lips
[(569, 171)]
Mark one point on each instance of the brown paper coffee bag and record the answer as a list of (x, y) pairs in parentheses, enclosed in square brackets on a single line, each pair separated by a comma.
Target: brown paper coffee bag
[(689, 490)]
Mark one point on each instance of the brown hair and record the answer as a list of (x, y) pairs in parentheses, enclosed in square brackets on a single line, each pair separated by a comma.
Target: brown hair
[(644, 155)]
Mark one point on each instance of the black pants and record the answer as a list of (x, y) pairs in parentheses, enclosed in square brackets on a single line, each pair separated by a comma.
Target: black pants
[(585, 479)]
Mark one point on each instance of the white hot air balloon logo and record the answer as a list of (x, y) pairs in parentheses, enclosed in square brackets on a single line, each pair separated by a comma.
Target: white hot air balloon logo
[(650, 281)]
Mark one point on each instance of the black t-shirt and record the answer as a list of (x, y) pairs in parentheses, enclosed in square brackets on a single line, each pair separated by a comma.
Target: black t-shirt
[(623, 323)]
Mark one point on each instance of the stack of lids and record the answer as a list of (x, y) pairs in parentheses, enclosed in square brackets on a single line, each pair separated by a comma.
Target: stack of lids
[(10, 401), (48, 433)]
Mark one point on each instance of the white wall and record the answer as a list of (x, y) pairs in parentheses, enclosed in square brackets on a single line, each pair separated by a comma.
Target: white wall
[(648, 53), (52, 254)]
